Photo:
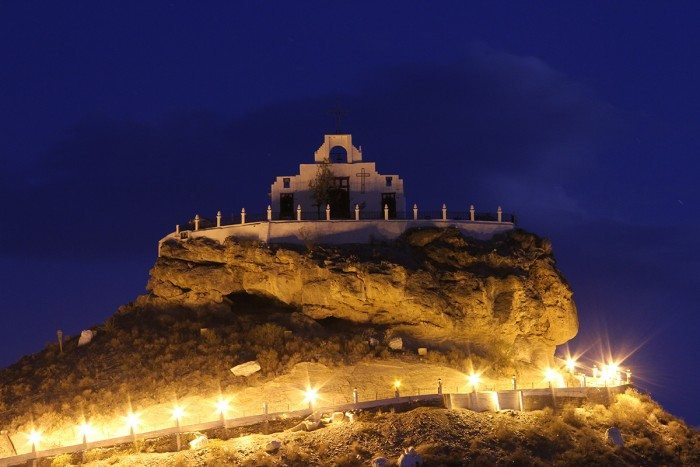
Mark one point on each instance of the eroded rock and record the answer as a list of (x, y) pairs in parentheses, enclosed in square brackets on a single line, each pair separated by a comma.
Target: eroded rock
[(429, 286)]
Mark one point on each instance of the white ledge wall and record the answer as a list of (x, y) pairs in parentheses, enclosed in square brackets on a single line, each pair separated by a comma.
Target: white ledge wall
[(336, 232)]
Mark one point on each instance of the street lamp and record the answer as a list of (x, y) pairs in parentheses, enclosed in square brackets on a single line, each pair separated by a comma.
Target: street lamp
[(550, 375), (310, 396), (178, 413), (474, 379), (222, 408), (34, 439), (85, 430), (132, 420)]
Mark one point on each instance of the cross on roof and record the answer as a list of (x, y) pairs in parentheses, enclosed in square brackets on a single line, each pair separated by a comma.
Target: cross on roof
[(338, 113)]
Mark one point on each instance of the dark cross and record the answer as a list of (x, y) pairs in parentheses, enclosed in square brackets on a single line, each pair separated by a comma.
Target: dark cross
[(338, 113), (364, 175)]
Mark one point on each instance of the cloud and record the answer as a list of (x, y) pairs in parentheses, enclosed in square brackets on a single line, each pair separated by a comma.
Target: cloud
[(491, 129)]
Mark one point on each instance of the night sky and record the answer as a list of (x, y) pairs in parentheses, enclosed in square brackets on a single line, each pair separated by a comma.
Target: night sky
[(119, 120)]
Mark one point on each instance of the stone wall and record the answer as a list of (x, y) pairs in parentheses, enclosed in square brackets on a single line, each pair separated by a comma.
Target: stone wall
[(336, 232), (533, 399)]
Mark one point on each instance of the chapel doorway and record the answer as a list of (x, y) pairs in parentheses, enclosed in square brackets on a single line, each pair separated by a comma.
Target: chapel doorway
[(389, 200), (340, 198), (287, 206)]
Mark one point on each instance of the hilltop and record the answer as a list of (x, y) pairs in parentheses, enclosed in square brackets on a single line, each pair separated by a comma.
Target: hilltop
[(326, 316)]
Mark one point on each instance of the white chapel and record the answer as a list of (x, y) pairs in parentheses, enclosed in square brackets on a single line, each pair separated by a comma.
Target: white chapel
[(355, 183)]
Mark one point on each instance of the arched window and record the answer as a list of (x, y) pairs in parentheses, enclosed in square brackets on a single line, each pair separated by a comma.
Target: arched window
[(338, 154)]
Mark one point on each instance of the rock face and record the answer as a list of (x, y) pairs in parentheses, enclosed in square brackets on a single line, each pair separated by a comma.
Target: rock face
[(430, 286)]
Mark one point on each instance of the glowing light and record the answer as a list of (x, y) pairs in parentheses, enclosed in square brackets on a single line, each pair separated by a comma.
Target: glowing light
[(551, 375), (85, 429), (133, 419), (222, 406), (310, 395), (570, 364), (474, 379), (178, 412), (397, 383), (610, 372), (34, 437)]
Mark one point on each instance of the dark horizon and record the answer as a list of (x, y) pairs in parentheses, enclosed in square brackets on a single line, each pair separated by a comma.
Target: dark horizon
[(120, 121)]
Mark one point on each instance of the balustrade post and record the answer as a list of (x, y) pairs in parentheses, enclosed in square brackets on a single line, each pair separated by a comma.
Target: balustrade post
[(299, 212), (440, 386), (328, 212), (386, 212), (444, 212), (218, 218), (269, 213), (472, 213), (357, 212), (196, 222), (415, 212), (243, 216), (500, 214), (355, 396), (177, 228)]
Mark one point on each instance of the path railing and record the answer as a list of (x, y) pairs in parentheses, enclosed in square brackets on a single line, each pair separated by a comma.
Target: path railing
[(481, 400)]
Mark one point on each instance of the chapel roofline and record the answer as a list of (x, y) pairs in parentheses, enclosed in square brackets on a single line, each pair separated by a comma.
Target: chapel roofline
[(333, 140)]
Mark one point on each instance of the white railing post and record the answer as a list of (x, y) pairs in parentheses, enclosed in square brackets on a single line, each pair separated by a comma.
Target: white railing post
[(471, 213), (357, 212), (415, 212), (500, 214), (269, 213), (328, 212), (386, 212), (299, 212), (444, 212), (218, 218), (243, 216), (196, 222)]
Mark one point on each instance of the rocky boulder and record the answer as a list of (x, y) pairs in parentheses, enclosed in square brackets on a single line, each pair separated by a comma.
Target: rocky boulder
[(246, 369), (429, 286)]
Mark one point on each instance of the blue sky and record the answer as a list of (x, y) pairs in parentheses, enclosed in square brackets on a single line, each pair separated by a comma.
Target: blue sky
[(120, 120)]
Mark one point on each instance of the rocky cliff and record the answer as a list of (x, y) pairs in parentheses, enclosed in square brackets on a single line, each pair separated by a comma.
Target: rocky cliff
[(432, 287)]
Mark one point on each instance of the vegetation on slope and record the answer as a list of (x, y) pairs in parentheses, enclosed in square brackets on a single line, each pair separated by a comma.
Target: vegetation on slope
[(149, 357)]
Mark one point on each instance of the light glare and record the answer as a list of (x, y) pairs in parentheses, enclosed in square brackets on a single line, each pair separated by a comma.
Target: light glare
[(310, 395), (178, 412), (85, 429), (34, 437), (222, 406), (132, 419)]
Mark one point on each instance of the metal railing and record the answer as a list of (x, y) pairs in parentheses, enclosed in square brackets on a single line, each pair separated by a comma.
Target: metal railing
[(237, 218)]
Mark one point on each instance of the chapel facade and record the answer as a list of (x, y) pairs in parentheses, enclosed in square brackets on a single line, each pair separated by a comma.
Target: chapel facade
[(355, 183)]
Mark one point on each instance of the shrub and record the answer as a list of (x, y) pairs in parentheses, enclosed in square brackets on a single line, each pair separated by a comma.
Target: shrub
[(267, 336)]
